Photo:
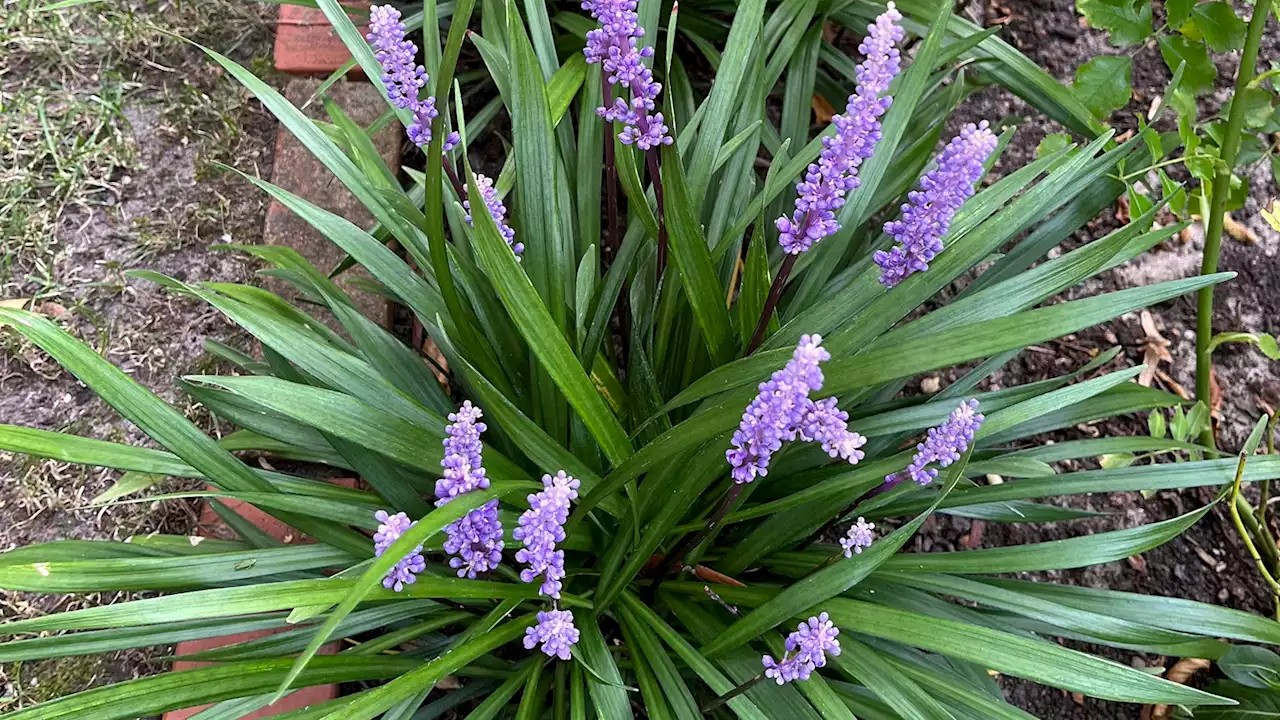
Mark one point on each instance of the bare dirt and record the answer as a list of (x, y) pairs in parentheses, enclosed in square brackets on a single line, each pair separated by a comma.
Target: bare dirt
[(1208, 563), (157, 201)]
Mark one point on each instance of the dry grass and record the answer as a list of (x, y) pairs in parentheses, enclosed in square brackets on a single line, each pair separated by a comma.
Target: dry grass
[(111, 132)]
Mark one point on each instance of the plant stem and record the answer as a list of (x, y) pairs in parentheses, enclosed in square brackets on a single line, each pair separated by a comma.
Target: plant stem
[(651, 159), (691, 540), (1218, 201), (454, 179), (771, 302), (1265, 498), (610, 178), (1239, 511), (732, 694)]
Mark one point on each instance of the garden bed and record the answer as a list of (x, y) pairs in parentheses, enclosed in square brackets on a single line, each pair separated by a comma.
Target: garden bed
[(135, 325)]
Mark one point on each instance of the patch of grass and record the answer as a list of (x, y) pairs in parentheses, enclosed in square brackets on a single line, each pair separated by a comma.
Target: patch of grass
[(29, 683), (68, 148)]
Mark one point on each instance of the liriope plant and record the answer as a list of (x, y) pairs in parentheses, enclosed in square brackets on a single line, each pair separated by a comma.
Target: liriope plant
[(665, 436)]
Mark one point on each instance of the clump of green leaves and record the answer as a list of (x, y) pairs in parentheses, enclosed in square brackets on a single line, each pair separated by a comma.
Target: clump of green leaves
[(1187, 34), (678, 578)]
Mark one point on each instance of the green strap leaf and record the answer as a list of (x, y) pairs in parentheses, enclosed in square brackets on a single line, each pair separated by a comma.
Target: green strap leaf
[(1016, 655), (544, 336), (432, 523), (693, 260), (863, 664), (829, 581), (174, 690), (369, 705)]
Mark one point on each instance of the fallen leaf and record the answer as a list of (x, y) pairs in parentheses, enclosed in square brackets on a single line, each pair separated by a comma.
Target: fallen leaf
[(1238, 230), (1180, 673), (1155, 350), (1173, 385), (448, 682), (1215, 396), (14, 303), (706, 574), (822, 109), (52, 309), (1273, 216), (1122, 209)]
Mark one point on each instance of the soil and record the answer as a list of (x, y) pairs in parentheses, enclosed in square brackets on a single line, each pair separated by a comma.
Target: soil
[(159, 204), (1208, 563)]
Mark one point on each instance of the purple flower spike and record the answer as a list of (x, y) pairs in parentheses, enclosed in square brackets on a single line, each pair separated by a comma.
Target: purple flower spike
[(827, 182), (944, 444), (400, 74), (927, 215), (825, 423), (807, 650), (615, 45), (476, 541), (497, 211), (390, 528), (774, 417), (555, 631), (462, 461), (858, 538), (541, 527)]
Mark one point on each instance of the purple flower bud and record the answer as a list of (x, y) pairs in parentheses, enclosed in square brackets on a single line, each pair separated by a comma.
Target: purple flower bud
[(452, 140), (944, 444), (807, 650), (858, 538), (555, 631), (828, 181), (462, 463), (402, 77), (927, 215), (475, 541), (497, 211), (541, 527), (825, 423), (390, 529), (615, 46), (782, 412)]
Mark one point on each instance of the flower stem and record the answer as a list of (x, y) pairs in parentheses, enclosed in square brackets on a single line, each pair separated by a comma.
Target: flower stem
[(775, 293), (690, 541), (1218, 201), (651, 159), (610, 178), (732, 694)]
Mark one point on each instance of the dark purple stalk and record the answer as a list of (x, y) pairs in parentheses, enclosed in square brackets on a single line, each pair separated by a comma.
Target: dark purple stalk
[(651, 158), (690, 541), (458, 187), (611, 209), (610, 179), (770, 303), (745, 686)]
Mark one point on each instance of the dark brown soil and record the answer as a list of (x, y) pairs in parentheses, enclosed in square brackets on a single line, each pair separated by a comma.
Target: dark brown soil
[(1208, 563)]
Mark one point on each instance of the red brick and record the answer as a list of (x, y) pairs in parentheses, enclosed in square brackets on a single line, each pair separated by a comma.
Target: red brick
[(306, 43), (212, 526), (299, 172)]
